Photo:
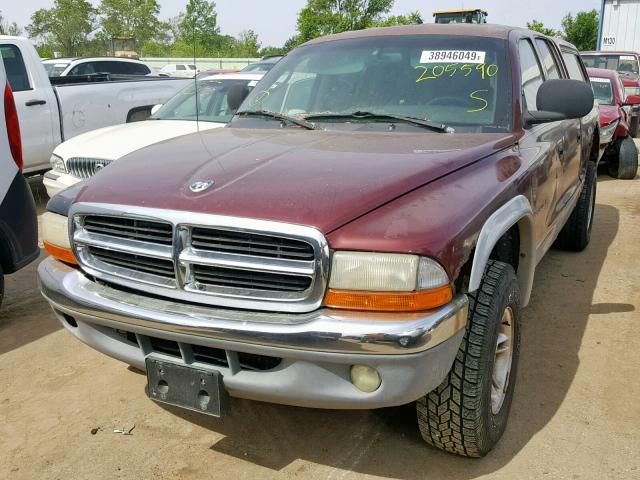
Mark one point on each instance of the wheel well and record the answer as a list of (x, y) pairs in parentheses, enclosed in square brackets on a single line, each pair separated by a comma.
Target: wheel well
[(594, 155)]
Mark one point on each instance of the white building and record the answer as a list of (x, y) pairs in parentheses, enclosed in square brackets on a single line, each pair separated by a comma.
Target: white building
[(619, 25)]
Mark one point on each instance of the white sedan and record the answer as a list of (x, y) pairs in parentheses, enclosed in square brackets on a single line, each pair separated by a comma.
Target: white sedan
[(83, 156)]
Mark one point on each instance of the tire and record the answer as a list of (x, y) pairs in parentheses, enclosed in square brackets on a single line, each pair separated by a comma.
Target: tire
[(633, 126), (1, 286), (460, 416), (576, 233), (625, 164)]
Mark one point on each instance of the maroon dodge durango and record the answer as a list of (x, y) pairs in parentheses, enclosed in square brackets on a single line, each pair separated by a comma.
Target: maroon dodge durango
[(363, 234)]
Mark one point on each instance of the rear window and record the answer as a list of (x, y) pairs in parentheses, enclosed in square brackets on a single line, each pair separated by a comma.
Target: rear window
[(16, 70), (625, 64)]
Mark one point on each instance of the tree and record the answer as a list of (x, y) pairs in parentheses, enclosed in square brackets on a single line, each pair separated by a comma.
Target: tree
[(582, 30), (413, 18), (199, 25), (7, 28), (323, 17), (131, 18), (537, 26), (66, 26), (247, 45)]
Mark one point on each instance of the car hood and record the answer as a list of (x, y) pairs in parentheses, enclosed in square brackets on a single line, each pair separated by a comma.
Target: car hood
[(629, 79), (318, 178), (111, 143), (608, 113)]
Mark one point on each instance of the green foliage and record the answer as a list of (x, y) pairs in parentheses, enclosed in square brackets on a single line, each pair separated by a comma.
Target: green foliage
[(412, 18), (137, 19), (247, 45), (323, 17), (199, 24), (537, 26), (582, 30), (65, 27)]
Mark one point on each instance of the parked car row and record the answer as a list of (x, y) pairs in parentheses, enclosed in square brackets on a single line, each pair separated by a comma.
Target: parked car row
[(363, 233), (55, 113)]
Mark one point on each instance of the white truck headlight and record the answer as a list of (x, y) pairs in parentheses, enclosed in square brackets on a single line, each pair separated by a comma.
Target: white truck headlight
[(57, 164), (386, 282)]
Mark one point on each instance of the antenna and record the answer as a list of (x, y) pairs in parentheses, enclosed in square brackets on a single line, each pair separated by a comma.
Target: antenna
[(195, 79)]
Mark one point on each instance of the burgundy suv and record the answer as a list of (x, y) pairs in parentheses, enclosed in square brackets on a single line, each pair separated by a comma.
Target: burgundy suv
[(363, 234)]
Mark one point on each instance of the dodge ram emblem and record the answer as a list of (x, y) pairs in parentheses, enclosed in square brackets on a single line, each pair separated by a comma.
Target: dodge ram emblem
[(198, 187)]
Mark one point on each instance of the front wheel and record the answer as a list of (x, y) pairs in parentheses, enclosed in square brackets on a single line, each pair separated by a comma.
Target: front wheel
[(1, 286), (467, 414), (624, 165), (633, 126)]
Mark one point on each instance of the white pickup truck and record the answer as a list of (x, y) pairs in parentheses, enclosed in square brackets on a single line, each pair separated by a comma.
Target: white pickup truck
[(50, 114)]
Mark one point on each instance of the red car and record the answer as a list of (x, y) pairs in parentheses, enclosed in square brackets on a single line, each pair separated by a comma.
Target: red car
[(627, 64), (618, 148)]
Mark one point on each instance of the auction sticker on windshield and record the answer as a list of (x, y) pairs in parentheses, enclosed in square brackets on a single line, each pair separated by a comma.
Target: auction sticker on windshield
[(462, 56)]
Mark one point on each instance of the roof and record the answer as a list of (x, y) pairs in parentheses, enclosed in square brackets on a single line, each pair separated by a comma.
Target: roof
[(602, 73), (91, 59), (233, 76), (464, 29), (464, 10), (609, 52)]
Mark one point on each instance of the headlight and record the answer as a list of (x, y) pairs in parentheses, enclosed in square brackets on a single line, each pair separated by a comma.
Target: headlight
[(386, 282), (57, 164), (607, 130), (55, 236), (632, 90)]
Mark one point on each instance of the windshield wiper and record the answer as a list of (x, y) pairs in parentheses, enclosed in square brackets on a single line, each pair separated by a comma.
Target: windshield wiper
[(301, 122), (438, 127)]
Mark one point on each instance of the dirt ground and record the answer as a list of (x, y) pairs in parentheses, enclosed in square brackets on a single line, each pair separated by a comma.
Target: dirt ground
[(576, 413)]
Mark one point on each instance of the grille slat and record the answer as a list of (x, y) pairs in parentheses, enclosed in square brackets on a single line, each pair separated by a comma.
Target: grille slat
[(130, 228), (253, 244), (228, 277), (139, 263)]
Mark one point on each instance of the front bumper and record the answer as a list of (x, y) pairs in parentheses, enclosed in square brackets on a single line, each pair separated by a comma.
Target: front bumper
[(55, 182), (412, 352)]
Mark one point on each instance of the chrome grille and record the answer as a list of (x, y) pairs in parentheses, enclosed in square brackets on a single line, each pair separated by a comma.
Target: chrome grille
[(253, 244), (138, 263), (82, 167), (130, 228), (210, 259)]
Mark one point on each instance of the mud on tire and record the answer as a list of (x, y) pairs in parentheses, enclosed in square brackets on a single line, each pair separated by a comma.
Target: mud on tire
[(459, 416)]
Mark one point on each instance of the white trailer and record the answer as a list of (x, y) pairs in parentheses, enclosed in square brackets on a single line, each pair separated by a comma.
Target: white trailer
[(619, 25)]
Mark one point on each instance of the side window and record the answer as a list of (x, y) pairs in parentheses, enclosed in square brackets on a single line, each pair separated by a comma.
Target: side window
[(137, 69), (574, 66), (14, 65), (531, 75), (180, 67), (548, 60), (87, 68)]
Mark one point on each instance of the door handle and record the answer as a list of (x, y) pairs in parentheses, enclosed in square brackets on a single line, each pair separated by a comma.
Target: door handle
[(32, 103)]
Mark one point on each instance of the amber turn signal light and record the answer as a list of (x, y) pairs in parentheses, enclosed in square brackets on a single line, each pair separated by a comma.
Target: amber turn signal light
[(389, 301), (63, 254)]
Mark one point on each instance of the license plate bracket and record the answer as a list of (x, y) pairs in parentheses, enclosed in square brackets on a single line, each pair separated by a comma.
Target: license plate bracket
[(197, 389)]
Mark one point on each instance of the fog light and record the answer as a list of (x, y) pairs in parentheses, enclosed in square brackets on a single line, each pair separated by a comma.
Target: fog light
[(365, 378)]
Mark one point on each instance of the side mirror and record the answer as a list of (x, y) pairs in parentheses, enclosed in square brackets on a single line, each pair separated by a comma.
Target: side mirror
[(236, 95), (155, 109), (561, 100), (632, 100)]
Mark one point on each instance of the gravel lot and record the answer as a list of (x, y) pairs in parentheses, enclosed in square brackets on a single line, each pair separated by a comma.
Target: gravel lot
[(575, 415)]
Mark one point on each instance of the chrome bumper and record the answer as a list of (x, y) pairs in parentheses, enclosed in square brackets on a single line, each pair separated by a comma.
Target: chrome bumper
[(323, 330), (412, 353)]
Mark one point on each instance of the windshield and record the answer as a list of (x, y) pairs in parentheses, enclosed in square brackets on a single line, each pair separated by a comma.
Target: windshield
[(460, 81), (212, 100), (621, 63), (55, 69), (602, 91)]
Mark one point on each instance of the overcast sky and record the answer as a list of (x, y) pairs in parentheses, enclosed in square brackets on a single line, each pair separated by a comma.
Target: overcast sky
[(275, 20)]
